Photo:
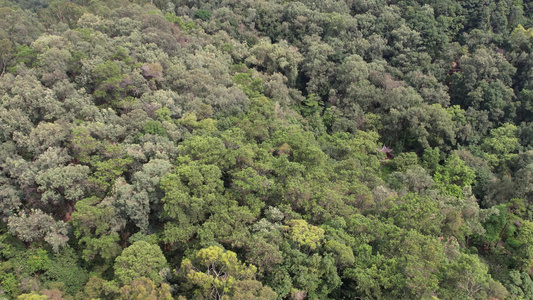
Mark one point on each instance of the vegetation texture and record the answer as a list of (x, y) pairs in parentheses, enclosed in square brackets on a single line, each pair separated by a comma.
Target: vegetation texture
[(266, 149)]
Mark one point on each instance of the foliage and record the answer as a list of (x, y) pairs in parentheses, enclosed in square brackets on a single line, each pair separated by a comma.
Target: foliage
[(266, 149), (144, 288), (204, 15), (215, 271), (453, 176), (304, 234), (38, 226), (141, 259)]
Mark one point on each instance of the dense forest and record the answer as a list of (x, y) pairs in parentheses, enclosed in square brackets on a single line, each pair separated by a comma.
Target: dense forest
[(266, 149)]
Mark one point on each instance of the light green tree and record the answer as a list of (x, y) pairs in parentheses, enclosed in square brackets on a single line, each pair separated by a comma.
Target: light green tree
[(144, 288), (215, 272), (453, 176), (304, 234), (141, 259)]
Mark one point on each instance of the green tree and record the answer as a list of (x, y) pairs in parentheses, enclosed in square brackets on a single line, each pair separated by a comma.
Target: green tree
[(251, 289), (36, 226), (467, 276), (32, 296), (278, 57), (501, 145), (215, 272), (526, 246), (144, 288), (204, 15), (192, 192), (141, 259), (66, 269), (107, 77), (520, 284), (96, 225), (63, 184), (6, 54), (416, 212), (304, 234), (453, 176)]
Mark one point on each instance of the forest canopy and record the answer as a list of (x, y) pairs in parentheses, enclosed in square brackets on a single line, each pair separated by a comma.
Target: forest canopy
[(266, 149)]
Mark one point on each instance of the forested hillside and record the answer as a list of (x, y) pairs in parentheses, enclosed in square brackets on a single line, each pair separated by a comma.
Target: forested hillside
[(266, 149)]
